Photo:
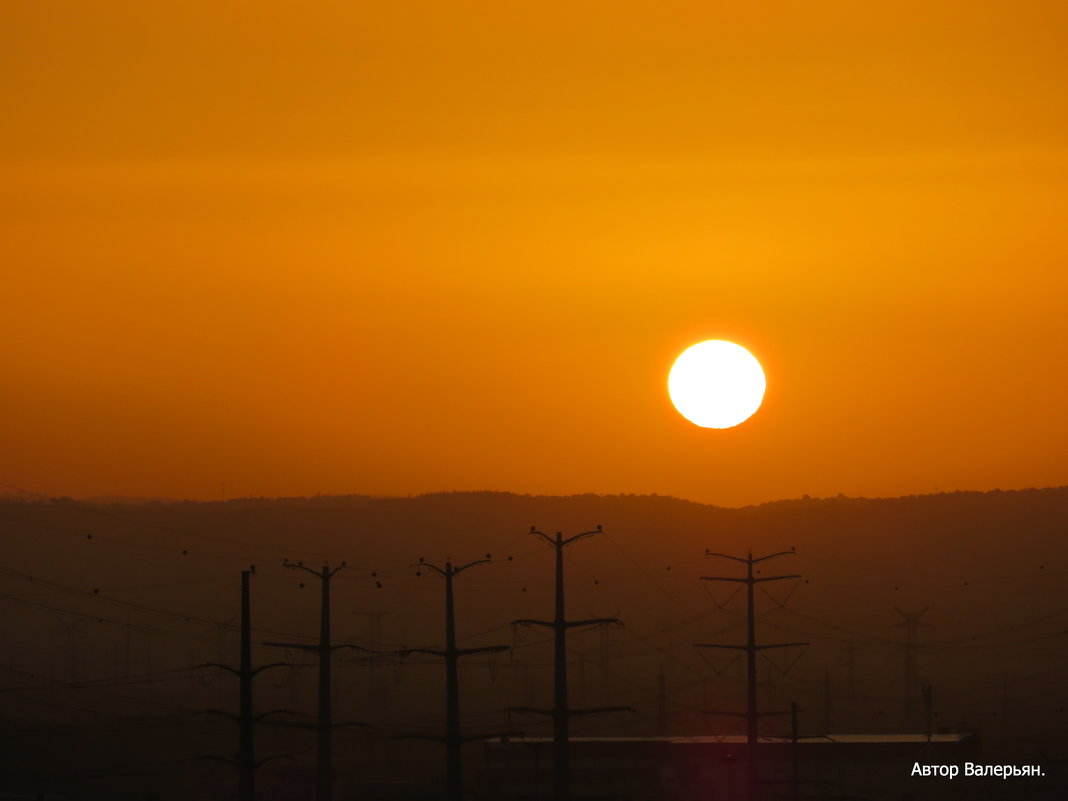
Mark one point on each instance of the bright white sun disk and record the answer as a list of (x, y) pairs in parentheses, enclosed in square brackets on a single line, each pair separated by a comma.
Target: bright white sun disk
[(716, 384)]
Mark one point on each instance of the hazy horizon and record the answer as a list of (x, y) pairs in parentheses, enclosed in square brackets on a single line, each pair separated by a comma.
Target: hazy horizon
[(114, 497)]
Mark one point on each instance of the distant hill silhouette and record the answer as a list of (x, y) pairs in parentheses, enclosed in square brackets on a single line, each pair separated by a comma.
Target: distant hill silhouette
[(124, 500)]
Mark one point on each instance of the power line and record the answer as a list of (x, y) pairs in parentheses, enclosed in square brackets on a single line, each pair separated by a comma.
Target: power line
[(58, 683), (104, 620), (97, 595)]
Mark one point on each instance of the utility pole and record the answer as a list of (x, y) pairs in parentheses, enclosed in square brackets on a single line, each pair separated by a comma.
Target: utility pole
[(246, 760), (453, 738), (561, 713), (324, 726), (751, 648), (910, 621)]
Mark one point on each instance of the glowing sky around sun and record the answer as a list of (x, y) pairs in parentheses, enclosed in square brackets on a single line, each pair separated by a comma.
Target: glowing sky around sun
[(398, 247)]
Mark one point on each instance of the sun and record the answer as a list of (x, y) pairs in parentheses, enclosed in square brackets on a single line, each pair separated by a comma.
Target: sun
[(716, 384)]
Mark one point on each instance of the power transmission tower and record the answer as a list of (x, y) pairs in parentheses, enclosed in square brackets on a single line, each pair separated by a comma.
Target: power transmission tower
[(751, 648), (910, 621), (453, 739), (324, 725), (246, 760), (561, 713)]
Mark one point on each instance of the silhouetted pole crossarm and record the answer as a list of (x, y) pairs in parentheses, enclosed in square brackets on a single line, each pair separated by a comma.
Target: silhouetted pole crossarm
[(571, 624), (528, 622), (268, 666), (745, 560), (317, 573), (531, 709), (564, 541), (754, 580), (449, 570), (724, 578), (235, 671), (595, 621), (429, 651), (776, 578), (255, 671)]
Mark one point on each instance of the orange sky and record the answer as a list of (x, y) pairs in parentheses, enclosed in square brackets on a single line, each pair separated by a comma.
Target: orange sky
[(410, 246)]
